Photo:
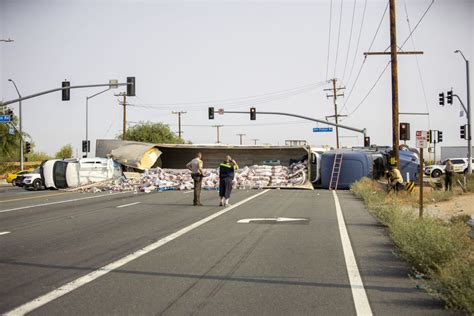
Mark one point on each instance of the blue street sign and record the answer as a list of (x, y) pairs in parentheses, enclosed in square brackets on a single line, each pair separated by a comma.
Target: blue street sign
[(322, 129), (5, 118)]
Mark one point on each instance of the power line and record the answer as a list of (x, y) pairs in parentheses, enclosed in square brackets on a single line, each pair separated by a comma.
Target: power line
[(350, 41), (329, 39), (358, 42), (417, 64), (418, 23), (370, 90), (338, 36), (363, 62)]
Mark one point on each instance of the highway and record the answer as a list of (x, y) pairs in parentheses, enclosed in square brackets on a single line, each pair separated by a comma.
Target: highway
[(272, 252)]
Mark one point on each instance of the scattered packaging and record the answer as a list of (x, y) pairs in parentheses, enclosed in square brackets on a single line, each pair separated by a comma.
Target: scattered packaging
[(158, 179)]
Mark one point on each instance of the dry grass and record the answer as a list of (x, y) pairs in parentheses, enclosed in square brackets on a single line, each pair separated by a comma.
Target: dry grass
[(441, 250)]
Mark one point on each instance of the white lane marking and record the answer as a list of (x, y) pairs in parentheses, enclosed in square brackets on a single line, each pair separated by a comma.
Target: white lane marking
[(359, 295), (60, 202), (188, 192), (129, 204), (4, 233), (275, 219), (75, 284)]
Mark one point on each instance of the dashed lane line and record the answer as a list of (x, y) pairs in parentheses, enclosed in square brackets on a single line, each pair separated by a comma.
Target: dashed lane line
[(129, 204)]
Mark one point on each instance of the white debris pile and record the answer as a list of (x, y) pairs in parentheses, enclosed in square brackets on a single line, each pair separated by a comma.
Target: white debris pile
[(253, 177)]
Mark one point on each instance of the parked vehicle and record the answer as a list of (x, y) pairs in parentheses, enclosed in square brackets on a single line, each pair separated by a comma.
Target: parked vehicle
[(13, 177), (32, 180), (70, 173), (460, 166)]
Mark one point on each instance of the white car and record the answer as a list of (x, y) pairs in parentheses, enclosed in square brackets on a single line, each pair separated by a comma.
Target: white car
[(70, 173), (459, 165), (32, 180)]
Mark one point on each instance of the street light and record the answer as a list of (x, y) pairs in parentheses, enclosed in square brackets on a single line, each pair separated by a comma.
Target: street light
[(21, 121), (8, 40), (469, 134), (87, 117)]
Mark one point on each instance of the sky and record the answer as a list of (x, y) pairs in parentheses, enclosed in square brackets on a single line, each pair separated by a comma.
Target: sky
[(272, 55)]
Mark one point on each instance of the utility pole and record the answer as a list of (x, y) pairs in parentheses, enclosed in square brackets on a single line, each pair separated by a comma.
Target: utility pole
[(179, 121), (255, 141), (336, 115), (218, 133), (124, 104), (395, 160), (241, 135)]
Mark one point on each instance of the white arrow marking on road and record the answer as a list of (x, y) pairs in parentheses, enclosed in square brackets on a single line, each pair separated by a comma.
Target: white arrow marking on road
[(275, 219), (4, 233)]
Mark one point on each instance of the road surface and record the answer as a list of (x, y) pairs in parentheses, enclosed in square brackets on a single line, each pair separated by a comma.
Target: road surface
[(123, 253)]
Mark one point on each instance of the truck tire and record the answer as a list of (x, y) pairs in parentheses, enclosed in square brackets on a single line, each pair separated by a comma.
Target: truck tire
[(37, 184), (436, 173), (14, 182)]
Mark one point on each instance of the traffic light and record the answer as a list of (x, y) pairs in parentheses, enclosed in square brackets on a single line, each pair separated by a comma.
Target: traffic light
[(441, 98), (131, 86), (440, 136), (366, 141), (404, 131), (449, 97), (428, 136), (463, 131), (211, 113), (253, 114), (86, 146), (10, 112), (66, 92), (27, 147)]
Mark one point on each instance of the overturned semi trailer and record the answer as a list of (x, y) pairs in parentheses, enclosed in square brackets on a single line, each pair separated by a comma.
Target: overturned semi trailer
[(175, 156)]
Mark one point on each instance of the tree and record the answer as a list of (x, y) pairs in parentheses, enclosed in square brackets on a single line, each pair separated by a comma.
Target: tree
[(64, 152), (155, 133), (9, 144)]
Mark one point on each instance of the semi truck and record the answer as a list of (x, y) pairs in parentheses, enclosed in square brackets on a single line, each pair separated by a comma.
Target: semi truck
[(137, 155)]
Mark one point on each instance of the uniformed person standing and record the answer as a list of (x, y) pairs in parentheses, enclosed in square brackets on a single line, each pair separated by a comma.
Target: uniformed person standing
[(448, 178), (226, 176), (197, 174)]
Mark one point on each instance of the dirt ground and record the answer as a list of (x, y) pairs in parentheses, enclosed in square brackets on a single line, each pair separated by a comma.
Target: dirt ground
[(458, 205)]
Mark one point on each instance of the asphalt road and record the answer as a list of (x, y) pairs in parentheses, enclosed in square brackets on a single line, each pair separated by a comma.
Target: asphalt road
[(93, 254)]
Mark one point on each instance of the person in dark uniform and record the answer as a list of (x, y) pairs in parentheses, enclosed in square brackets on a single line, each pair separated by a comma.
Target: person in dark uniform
[(226, 175)]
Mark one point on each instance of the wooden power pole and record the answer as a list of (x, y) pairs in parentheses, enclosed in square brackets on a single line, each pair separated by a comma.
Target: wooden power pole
[(218, 132), (395, 160), (241, 135), (179, 121), (124, 104), (336, 116)]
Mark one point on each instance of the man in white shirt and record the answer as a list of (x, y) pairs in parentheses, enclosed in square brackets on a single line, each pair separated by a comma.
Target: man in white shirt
[(195, 166)]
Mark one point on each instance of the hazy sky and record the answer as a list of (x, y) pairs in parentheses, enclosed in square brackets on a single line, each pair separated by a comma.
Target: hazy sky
[(188, 55)]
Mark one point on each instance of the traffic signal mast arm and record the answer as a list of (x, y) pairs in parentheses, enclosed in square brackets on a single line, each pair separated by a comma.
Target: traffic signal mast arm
[(363, 131), (462, 104), (60, 89)]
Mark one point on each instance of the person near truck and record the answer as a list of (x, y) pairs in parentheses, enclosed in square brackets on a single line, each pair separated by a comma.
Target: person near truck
[(448, 178), (197, 174), (226, 176), (395, 179)]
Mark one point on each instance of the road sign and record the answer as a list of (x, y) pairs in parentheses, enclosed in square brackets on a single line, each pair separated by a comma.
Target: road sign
[(322, 129), (11, 131), (421, 139), (220, 111), (5, 118)]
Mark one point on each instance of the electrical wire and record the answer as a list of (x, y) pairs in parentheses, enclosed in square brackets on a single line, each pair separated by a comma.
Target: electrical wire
[(418, 64), (338, 37), (350, 41), (358, 42), (370, 90), (238, 103), (418, 23), (329, 39), (365, 57)]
